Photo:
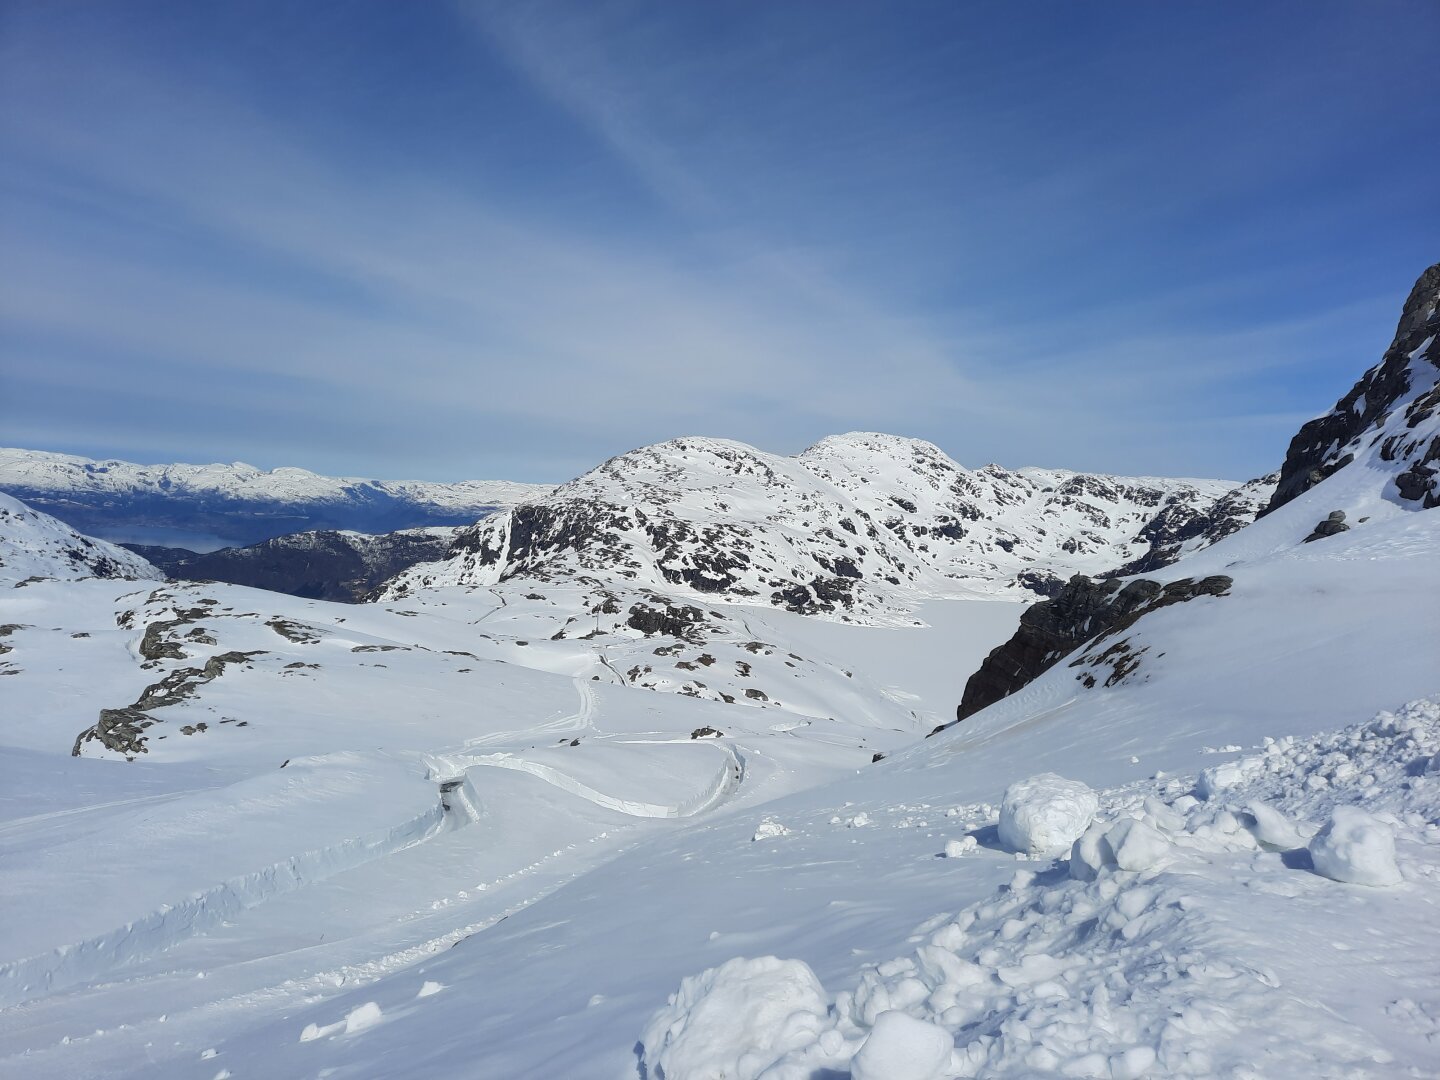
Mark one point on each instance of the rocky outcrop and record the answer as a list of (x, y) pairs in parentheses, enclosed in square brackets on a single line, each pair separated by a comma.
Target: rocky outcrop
[(1177, 530), (325, 565), (124, 731), (1395, 405), (1333, 525), (1049, 631)]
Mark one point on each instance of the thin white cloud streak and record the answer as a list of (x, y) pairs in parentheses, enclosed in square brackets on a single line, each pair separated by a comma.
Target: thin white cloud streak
[(554, 331)]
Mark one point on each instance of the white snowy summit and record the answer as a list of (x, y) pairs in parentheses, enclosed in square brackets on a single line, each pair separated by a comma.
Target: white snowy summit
[(859, 525)]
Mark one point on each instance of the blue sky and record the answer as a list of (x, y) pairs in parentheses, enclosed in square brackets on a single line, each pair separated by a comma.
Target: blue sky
[(452, 240)]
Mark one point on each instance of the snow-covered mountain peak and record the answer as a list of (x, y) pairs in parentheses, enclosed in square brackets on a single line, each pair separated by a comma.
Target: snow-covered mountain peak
[(859, 525)]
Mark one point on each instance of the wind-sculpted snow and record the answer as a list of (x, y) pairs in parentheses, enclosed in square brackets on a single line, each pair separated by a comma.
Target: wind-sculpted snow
[(859, 526), (237, 503), (355, 808), (1174, 942), (35, 545)]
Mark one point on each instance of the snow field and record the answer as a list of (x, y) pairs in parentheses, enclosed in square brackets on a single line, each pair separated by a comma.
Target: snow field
[(158, 873), (1142, 957)]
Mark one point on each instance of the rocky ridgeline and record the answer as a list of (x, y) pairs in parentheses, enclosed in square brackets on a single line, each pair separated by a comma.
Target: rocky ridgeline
[(856, 526), (1394, 411), (323, 565)]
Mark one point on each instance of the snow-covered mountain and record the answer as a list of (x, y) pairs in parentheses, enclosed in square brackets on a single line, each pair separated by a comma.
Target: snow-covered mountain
[(220, 505), (36, 546), (858, 525), (322, 565)]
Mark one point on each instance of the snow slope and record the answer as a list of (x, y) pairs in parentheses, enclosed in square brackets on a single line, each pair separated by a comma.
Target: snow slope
[(860, 526), (35, 545), (236, 503)]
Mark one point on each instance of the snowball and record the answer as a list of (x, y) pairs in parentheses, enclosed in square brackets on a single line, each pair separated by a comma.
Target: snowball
[(954, 849), (735, 1020), (1045, 814), (769, 829), (1357, 847), (1274, 828), (903, 1048), (430, 989), (1136, 845)]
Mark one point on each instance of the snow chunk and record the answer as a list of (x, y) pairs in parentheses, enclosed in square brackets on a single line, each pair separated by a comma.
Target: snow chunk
[(769, 829), (955, 849), (1357, 847), (1136, 845), (1045, 814), (1275, 829), (903, 1048), (735, 1021), (362, 1017)]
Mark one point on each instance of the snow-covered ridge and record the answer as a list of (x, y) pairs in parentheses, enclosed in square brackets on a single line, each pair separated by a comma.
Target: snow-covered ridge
[(238, 502), (35, 545), (858, 525)]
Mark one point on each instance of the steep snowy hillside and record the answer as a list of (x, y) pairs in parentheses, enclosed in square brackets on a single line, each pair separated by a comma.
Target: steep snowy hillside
[(217, 505), (35, 545), (1365, 462), (858, 526), (326, 565), (1391, 417)]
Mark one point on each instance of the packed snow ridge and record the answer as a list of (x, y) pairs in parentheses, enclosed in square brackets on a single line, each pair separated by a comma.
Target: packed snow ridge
[(1171, 942), (858, 526)]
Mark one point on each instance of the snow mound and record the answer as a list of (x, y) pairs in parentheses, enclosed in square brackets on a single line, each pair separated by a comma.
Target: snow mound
[(1045, 814), (735, 1021), (1356, 847)]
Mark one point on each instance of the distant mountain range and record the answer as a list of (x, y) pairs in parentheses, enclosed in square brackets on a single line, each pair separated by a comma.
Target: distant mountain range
[(202, 507)]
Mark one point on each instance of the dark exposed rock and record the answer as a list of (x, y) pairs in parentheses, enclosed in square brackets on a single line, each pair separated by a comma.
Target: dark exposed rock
[(675, 620), (293, 631), (1040, 582), (707, 733), (324, 565), (123, 730), (1052, 629), (1331, 526), (1327, 444)]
